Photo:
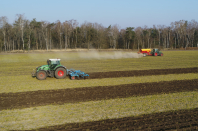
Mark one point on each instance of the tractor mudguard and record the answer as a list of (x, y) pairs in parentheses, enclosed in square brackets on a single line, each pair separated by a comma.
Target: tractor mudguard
[(59, 67), (42, 70), (37, 68)]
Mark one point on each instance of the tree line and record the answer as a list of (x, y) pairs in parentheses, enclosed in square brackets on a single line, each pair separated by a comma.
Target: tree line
[(28, 35)]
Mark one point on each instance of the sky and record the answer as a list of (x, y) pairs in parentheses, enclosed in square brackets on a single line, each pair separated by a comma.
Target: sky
[(124, 13)]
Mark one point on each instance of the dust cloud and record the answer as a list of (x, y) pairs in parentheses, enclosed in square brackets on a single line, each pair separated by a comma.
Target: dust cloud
[(109, 55), (65, 56)]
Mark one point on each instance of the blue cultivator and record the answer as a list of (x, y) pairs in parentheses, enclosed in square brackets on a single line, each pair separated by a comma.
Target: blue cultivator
[(77, 74)]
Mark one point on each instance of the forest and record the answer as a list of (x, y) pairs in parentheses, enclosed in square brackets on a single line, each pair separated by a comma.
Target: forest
[(29, 35)]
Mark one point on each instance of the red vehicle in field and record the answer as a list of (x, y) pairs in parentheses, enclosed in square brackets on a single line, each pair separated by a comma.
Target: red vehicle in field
[(153, 52)]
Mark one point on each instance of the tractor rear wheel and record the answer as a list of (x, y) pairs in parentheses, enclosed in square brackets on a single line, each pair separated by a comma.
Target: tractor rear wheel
[(60, 73), (155, 54), (41, 75)]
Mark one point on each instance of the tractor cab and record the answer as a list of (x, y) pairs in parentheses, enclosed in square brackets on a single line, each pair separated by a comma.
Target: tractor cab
[(52, 63), (156, 52)]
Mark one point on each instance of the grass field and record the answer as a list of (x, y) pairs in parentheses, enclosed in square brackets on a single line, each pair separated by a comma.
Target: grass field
[(17, 64), (15, 76)]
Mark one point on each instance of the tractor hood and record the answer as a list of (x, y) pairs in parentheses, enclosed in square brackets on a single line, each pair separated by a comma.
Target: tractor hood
[(43, 67)]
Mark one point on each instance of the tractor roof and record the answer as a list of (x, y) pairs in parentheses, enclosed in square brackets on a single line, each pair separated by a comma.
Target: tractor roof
[(55, 59)]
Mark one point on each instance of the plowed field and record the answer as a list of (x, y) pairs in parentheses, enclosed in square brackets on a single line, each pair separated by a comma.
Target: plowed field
[(112, 74), (40, 98), (180, 120), (177, 120)]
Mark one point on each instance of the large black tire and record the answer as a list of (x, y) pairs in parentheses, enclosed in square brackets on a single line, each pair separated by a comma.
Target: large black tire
[(60, 73), (41, 75)]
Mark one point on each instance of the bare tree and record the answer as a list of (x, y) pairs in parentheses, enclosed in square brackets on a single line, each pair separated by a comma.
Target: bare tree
[(20, 19), (75, 25), (83, 32), (154, 34), (164, 31), (148, 34), (50, 28), (9, 36), (159, 31), (69, 32), (115, 33), (29, 27), (96, 40), (194, 25), (89, 33), (101, 36), (59, 31), (14, 36), (190, 32), (44, 28), (169, 32), (177, 25), (138, 32), (86, 28), (3, 22), (173, 27), (66, 29)]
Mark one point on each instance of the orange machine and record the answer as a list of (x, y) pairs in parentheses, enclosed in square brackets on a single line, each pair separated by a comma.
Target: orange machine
[(145, 52)]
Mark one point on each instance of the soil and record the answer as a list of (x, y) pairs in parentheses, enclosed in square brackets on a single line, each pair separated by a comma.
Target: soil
[(97, 75), (175, 120), (46, 97)]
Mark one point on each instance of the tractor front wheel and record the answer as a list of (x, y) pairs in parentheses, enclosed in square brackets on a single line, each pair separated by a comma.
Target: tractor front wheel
[(41, 75), (60, 73), (161, 54)]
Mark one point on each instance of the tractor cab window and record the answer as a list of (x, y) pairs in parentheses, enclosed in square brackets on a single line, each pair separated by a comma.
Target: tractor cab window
[(155, 50), (55, 62)]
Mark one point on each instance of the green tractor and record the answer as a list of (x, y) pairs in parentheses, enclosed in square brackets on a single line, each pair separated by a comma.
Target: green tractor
[(156, 52), (53, 68)]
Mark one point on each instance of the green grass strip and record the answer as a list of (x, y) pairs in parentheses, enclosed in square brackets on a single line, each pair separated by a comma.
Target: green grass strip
[(42, 116), (26, 83)]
